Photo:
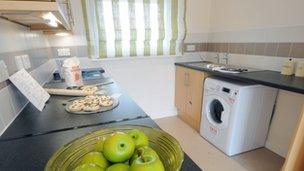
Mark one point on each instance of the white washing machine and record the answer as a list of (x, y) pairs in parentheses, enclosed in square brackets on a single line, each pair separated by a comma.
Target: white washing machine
[(236, 115)]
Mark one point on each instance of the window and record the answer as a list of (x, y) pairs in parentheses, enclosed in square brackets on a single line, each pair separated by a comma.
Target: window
[(117, 28)]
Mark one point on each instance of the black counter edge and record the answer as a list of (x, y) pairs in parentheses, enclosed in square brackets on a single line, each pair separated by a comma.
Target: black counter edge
[(73, 128)]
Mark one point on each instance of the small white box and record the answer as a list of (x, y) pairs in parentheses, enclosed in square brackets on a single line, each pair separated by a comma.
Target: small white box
[(64, 52), (19, 62), (191, 48), (26, 61)]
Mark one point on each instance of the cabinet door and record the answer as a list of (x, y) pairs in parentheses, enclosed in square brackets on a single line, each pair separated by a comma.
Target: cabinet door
[(295, 157), (180, 89), (194, 97)]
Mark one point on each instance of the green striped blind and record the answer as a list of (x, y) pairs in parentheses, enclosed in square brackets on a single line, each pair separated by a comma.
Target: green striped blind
[(116, 28)]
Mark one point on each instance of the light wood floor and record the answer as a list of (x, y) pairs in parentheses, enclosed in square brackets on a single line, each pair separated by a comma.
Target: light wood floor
[(209, 158)]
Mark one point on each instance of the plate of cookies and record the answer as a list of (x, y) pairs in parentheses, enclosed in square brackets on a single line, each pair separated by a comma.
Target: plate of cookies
[(91, 104)]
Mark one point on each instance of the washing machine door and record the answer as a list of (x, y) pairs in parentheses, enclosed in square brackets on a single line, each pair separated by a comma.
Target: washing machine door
[(217, 111)]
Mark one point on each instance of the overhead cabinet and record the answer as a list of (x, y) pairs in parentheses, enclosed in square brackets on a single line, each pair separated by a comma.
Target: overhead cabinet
[(188, 95), (48, 15)]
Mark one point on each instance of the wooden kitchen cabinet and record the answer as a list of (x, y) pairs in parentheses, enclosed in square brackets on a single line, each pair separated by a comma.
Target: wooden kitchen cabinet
[(188, 95)]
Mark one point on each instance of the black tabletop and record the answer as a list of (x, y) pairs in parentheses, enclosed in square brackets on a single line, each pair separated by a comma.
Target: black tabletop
[(266, 77), (54, 117), (32, 153)]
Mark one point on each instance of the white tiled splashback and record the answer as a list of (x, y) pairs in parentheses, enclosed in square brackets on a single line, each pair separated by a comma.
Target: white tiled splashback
[(12, 101), (17, 38)]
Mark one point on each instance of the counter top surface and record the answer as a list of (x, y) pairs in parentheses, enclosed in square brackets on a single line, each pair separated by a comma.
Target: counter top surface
[(34, 136), (266, 77), (32, 153), (54, 117)]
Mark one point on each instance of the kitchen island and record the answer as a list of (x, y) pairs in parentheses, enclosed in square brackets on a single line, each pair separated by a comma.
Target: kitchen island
[(34, 136)]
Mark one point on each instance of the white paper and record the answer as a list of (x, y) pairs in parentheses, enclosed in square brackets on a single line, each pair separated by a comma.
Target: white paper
[(30, 88)]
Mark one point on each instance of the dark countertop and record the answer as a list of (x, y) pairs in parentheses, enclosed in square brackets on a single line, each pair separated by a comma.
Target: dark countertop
[(34, 136), (32, 153), (266, 77), (54, 117)]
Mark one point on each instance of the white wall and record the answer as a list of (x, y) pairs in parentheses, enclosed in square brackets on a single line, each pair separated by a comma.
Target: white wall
[(236, 15), (150, 81), (256, 21), (197, 20)]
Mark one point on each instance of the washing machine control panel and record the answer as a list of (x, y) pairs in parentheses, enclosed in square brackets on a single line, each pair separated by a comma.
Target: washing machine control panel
[(225, 91)]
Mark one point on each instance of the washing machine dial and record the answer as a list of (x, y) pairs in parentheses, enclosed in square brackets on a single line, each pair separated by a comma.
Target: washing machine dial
[(233, 96)]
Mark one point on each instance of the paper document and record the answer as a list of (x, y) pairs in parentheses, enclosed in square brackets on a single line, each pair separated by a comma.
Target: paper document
[(30, 88)]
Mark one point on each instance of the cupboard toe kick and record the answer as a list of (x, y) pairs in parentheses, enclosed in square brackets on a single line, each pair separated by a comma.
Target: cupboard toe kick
[(189, 95)]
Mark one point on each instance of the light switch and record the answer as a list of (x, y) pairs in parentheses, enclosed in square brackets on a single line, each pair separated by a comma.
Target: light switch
[(64, 52), (19, 62), (3, 71), (26, 61), (191, 48)]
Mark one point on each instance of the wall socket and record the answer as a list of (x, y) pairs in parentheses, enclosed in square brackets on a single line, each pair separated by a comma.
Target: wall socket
[(23, 62), (26, 61), (64, 52), (19, 62), (3, 71), (191, 48)]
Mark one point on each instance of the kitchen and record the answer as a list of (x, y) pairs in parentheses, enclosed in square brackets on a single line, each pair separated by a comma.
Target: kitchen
[(161, 89)]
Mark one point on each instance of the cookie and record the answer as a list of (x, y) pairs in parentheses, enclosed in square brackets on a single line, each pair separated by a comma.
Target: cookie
[(79, 101), (96, 101), (106, 103), (88, 101), (76, 107), (89, 88), (90, 97), (91, 108), (105, 98)]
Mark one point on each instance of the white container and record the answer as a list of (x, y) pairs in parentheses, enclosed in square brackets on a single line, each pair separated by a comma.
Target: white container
[(288, 67), (72, 72), (300, 69)]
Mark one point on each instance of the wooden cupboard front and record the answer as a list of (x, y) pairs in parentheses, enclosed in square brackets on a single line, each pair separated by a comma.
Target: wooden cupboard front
[(189, 85)]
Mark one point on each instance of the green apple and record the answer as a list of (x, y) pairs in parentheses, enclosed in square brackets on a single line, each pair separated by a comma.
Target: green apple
[(118, 147), (119, 167), (99, 144), (147, 163), (88, 167), (145, 150), (96, 158), (139, 137)]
